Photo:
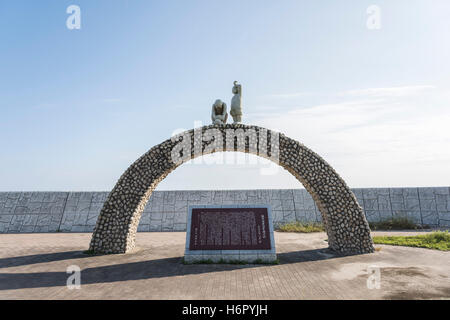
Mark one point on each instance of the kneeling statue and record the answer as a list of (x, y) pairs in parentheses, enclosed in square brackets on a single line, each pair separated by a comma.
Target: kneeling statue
[(219, 113)]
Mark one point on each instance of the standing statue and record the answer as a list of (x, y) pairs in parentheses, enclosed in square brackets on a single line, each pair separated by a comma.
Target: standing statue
[(236, 107), (219, 113)]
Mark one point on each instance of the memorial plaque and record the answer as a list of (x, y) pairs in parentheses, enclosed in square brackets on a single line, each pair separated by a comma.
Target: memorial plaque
[(230, 229)]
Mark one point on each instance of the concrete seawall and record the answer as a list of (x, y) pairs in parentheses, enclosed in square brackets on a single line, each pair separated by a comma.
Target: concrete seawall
[(25, 212)]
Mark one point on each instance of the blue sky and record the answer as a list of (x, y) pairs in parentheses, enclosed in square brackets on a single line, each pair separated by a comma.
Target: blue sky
[(77, 107)]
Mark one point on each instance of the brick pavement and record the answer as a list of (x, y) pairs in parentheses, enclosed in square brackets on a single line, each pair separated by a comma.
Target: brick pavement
[(33, 266)]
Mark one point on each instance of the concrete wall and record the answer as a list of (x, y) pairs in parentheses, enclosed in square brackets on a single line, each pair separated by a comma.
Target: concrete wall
[(167, 210)]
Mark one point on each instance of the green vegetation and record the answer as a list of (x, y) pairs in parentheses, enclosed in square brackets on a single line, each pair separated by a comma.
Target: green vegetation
[(223, 261), (391, 224), (439, 240), (301, 227), (396, 224)]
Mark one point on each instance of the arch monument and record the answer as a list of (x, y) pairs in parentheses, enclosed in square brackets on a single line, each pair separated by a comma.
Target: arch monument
[(342, 216)]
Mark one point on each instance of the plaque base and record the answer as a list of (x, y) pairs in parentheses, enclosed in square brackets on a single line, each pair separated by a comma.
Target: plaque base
[(268, 256)]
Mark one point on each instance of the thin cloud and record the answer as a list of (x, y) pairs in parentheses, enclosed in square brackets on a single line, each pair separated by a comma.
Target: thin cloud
[(287, 95), (388, 91), (381, 136)]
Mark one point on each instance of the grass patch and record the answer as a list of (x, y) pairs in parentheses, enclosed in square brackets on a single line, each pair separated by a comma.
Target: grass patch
[(396, 224), (439, 240), (300, 227)]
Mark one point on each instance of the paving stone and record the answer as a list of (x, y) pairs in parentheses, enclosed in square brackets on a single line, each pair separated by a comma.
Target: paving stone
[(385, 215), (181, 206), (181, 195), (16, 223), (275, 194), (428, 205), (168, 216), (370, 204), (43, 220), (444, 219), (276, 205), (179, 227), (42, 212), (372, 215), (167, 225), (384, 202), (398, 206), (414, 216), (264, 194), (430, 218), (286, 194), (143, 227), (426, 193), (77, 228), (382, 192), (441, 202), (41, 229), (305, 215), (99, 197), (397, 196), (399, 214), (278, 216), (92, 219), (180, 217), (206, 196), (95, 207), (412, 205), (30, 220), (145, 218), (217, 197), (289, 216), (155, 226), (156, 216), (3, 197), (370, 194), (410, 193), (27, 229), (308, 202), (287, 205)]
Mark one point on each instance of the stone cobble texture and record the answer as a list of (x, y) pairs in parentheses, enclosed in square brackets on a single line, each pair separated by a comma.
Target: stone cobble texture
[(344, 220), (169, 208)]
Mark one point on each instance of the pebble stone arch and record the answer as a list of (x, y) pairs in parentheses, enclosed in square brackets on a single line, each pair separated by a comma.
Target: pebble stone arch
[(343, 218)]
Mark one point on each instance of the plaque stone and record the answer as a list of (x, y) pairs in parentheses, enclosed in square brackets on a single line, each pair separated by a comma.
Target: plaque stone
[(230, 233)]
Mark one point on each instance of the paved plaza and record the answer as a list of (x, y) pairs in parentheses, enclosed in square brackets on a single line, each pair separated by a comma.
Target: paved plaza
[(33, 266)]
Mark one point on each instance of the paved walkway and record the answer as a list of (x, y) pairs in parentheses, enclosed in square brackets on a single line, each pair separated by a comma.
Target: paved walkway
[(33, 266)]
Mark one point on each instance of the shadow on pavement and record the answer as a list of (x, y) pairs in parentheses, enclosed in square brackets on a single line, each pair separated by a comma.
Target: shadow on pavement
[(40, 258), (158, 268)]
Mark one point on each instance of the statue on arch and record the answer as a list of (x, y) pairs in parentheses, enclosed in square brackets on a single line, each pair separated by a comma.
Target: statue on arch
[(219, 113), (236, 106)]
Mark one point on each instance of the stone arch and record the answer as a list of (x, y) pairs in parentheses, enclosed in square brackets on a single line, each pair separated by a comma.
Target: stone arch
[(344, 220)]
